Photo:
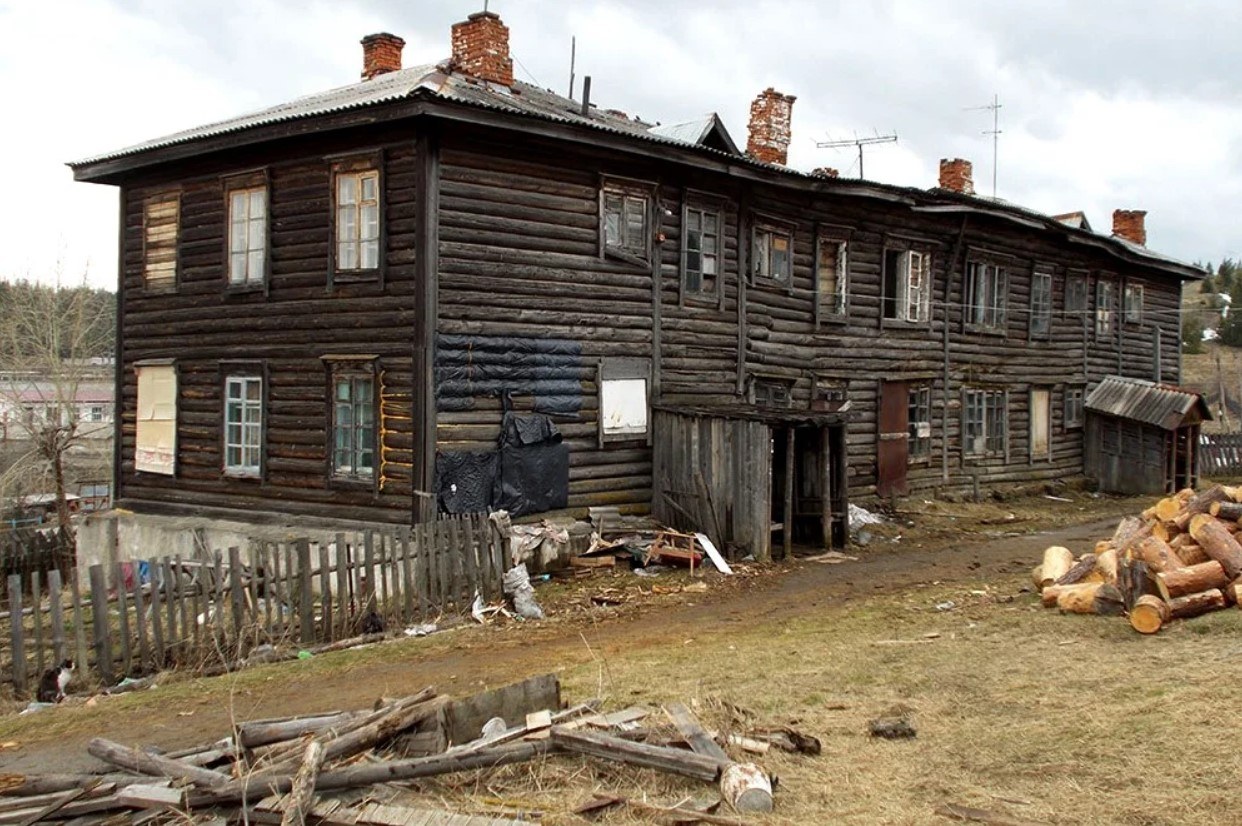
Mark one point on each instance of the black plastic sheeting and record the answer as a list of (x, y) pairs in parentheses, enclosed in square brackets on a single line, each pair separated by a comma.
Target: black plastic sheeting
[(550, 370), (527, 473)]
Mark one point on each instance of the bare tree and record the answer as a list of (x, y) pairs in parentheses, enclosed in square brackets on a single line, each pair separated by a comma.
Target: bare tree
[(53, 342)]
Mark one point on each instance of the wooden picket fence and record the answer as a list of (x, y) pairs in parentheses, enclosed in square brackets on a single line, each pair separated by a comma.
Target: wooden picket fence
[(211, 612), (29, 551), (1220, 454)]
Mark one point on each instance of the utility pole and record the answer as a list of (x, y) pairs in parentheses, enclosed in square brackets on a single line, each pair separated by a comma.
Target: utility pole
[(995, 131), (573, 57), (858, 142)]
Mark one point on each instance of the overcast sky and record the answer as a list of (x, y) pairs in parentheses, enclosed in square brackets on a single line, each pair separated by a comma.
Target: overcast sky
[(1106, 105)]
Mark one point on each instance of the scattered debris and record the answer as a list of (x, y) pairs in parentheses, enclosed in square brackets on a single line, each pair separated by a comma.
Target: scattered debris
[(517, 585), (713, 554), (831, 558), (947, 605), (894, 724), (859, 516)]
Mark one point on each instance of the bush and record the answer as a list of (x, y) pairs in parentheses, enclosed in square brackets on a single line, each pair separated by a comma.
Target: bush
[(1192, 335)]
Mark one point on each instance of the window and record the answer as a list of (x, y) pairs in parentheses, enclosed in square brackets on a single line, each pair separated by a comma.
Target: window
[(623, 399), (353, 424), (907, 285), (987, 294), (919, 423), (1041, 423), (95, 413), (984, 425), (160, 224), (1134, 303), (357, 220), (247, 236), (1041, 303), (701, 251), (625, 222), (243, 425), (1076, 295), (1105, 308), (831, 275), (771, 393), (1073, 407), (771, 253), (155, 439)]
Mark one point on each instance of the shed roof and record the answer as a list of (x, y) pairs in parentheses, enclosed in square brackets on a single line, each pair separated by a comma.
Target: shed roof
[(1162, 405)]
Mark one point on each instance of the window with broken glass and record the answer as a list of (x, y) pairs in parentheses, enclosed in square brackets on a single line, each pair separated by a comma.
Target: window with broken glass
[(987, 286), (771, 254), (625, 222), (1105, 308), (907, 285), (701, 251), (831, 275), (985, 420)]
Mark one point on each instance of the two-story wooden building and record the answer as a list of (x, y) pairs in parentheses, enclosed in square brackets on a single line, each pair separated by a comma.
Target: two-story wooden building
[(441, 288)]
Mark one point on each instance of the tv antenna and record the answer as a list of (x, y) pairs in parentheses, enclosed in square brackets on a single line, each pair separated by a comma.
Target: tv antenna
[(859, 143), (573, 60), (995, 132)]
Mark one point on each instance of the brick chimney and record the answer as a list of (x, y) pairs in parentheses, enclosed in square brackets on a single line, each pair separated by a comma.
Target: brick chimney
[(381, 53), (957, 175), (481, 48), (1130, 224), (770, 114), (826, 172)]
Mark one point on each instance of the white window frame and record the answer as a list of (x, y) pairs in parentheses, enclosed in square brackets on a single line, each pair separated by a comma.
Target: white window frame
[(1133, 303), (1105, 308), (913, 280), (248, 235), (243, 436), (987, 285), (155, 430), (351, 245), (1041, 309)]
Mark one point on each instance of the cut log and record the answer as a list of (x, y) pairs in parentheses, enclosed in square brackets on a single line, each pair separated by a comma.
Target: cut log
[(1078, 599), (1192, 605), (1129, 530), (1106, 564), (1149, 614), (1231, 511), (1168, 508), (1037, 576), (140, 762), (1057, 562), (262, 733), (1202, 503), (1108, 601), (1164, 531), (1217, 543), (674, 761), (1234, 593), (1049, 596), (1192, 579), (746, 787), (1078, 571), (366, 732), (302, 795), (1157, 554)]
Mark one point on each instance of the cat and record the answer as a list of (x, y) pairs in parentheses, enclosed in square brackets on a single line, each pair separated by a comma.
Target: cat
[(54, 681)]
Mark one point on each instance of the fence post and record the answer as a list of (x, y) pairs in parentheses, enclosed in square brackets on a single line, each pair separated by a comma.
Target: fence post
[(15, 629), (343, 570), (123, 608), (99, 615), (36, 616), (157, 613), (140, 620), (81, 653), (325, 591), (54, 588), (306, 600), (235, 593)]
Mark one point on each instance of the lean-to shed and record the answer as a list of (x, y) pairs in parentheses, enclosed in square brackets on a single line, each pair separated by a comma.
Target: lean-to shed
[(1143, 437)]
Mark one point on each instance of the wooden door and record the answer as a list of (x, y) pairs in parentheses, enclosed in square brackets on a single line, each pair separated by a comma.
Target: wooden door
[(893, 451), (1041, 420)]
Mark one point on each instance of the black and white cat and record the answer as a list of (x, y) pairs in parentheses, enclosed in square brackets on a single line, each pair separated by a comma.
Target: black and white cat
[(54, 681)]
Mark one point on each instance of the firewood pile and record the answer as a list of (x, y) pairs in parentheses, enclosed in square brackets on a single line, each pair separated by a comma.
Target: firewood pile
[(359, 767), (1179, 558)]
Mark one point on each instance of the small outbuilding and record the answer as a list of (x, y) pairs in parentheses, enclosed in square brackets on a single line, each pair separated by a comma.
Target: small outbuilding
[(1143, 437)]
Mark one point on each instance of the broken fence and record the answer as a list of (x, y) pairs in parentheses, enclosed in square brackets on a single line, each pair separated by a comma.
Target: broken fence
[(212, 612), (1220, 454)]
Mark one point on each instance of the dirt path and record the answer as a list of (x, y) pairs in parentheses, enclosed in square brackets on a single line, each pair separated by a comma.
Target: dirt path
[(484, 656)]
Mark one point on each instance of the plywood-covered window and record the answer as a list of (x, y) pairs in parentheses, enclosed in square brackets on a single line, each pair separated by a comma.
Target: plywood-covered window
[(247, 236), (1041, 423), (243, 425), (155, 439), (623, 399), (831, 274), (161, 220)]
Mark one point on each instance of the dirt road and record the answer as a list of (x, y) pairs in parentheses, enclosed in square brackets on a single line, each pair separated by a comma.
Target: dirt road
[(178, 717)]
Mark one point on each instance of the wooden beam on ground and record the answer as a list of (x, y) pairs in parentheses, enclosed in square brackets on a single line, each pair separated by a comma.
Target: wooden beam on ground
[(155, 765), (674, 761), (302, 795)]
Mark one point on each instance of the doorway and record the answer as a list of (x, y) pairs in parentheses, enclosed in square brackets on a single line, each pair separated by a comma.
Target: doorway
[(808, 483), (893, 447)]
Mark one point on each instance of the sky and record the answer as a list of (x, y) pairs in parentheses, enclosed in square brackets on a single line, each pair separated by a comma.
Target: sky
[(1104, 105)]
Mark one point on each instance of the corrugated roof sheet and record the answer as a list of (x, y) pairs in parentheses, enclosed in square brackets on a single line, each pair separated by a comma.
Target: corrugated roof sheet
[(1162, 405)]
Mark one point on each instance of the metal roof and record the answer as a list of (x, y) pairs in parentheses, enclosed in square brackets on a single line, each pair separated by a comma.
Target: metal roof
[(1162, 405)]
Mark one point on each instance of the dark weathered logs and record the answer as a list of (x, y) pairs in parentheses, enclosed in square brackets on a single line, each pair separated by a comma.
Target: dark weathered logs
[(1202, 503), (261, 733), (1192, 605), (1079, 571), (1218, 543), (674, 761), (152, 764), (361, 734), (1192, 579), (30, 785), (1229, 511), (302, 795)]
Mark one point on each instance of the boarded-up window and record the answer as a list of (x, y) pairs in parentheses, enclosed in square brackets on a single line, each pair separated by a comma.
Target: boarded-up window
[(161, 217), (624, 406), (830, 272), (1041, 419), (155, 448)]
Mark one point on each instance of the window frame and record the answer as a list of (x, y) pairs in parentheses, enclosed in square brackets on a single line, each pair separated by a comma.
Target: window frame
[(1068, 394), (352, 368), (838, 310), (1049, 390), (992, 318), (773, 387), (622, 369), (1045, 274), (162, 285), (1106, 317), (1073, 279), (247, 182), (627, 188), (139, 366), (988, 396), (1132, 316), (358, 165), (771, 226), (243, 371), (922, 390), (704, 204), (906, 252)]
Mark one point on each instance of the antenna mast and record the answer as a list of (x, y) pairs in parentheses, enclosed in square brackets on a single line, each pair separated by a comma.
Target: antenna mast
[(573, 59), (995, 132), (859, 143)]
